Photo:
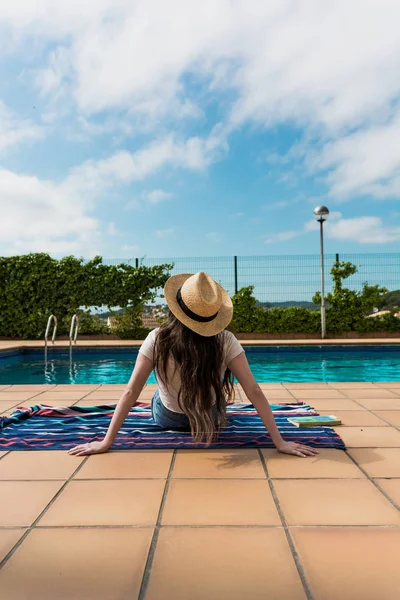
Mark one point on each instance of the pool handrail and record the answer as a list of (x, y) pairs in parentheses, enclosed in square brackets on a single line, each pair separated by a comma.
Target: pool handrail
[(46, 334), (73, 334)]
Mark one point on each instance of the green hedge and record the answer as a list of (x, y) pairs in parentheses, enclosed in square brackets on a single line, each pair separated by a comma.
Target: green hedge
[(346, 310), (33, 286)]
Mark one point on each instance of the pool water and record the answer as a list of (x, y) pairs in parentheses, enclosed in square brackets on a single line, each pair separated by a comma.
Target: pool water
[(268, 364)]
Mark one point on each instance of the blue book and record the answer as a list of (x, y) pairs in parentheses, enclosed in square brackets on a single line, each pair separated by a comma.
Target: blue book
[(315, 421)]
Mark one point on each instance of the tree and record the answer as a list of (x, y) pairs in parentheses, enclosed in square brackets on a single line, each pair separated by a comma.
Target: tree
[(345, 307)]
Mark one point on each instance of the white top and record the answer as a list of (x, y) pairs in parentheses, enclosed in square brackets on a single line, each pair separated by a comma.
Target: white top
[(169, 396)]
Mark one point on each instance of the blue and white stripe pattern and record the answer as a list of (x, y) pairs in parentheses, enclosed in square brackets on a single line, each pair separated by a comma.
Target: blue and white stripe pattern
[(42, 427)]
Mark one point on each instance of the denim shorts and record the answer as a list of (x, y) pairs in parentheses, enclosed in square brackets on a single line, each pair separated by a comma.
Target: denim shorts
[(167, 419)]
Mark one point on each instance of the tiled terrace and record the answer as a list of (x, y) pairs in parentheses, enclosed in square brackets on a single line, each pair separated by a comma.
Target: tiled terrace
[(207, 525)]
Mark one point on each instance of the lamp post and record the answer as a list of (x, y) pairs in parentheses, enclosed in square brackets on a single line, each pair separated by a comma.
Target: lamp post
[(321, 214)]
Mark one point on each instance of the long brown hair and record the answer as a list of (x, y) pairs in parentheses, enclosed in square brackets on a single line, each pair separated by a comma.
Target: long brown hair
[(199, 360)]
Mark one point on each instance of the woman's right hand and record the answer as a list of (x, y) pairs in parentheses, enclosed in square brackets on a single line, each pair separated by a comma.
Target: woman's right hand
[(89, 448)]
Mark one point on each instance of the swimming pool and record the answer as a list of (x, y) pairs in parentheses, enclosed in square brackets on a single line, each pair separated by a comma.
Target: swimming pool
[(268, 364)]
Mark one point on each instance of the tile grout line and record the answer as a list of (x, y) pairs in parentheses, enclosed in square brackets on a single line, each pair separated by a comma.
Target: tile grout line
[(154, 541), (46, 508), (296, 557), (376, 485), (371, 411), (355, 400), (193, 479), (134, 527), (371, 480)]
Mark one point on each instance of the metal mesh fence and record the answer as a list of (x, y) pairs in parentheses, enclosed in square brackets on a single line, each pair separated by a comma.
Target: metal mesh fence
[(282, 279)]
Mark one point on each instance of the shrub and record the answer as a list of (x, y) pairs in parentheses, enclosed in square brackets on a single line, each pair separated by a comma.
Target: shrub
[(33, 286)]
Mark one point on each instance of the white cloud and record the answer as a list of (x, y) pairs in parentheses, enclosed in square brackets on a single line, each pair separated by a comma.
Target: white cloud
[(366, 162), (14, 130), (112, 229), (161, 233), (156, 196), (328, 67), (363, 230), (41, 215)]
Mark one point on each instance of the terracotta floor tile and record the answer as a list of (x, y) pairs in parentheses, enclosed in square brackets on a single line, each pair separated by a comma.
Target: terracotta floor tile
[(216, 564), (347, 385), (5, 387), (356, 418), (388, 384), (235, 464), (391, 487), (270, 386), (147, 394), (334, 502), (77, 387), (144, 400), (32, 388), (351, 563), (151, 386), (375, 392), (136, 464), (306, 386), (61, 396), (104, 395), (133, 502), (61, 402), (90, 564), (272, 395), (369, 437), (7, 405), (329, 463), (95, 402), (278, 394), (220, 502), (392, 416), (8, 539), (3, 453), (334, 404), (40, 464), (325, 394), (378, 462), (104, 387), (21, 502), (394, 390), (17, 396), (380, 403)]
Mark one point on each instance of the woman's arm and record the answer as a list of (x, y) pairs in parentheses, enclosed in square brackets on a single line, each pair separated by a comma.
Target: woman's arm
[(140, 374), (241, 370)]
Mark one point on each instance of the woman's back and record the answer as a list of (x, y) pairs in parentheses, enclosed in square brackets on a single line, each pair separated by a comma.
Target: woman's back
[(170, 386)]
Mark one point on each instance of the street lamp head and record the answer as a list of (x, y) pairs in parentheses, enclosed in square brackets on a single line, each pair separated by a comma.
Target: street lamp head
[(321, 213)]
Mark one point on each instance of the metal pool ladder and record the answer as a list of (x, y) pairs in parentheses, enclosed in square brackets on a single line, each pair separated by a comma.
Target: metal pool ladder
[(73, 334), (53, 337)]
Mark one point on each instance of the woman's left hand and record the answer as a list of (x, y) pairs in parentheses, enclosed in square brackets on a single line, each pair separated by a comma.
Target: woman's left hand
[(296, 449), (89, 448)]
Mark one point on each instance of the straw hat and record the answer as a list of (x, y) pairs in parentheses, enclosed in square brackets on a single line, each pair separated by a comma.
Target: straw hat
[(199, 302)]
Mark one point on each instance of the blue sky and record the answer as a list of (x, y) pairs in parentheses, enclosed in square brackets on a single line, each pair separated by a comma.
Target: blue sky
[(132, 128)]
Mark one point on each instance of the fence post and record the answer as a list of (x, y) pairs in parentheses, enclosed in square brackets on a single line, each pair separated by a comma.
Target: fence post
[(337, 258), (136, 262), (236, 274)]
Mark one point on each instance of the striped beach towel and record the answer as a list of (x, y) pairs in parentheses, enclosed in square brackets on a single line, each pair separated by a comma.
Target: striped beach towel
[(43, 427)]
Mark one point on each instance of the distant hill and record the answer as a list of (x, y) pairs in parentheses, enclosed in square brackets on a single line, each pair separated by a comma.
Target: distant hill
[(288, 303), (390, 300)]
